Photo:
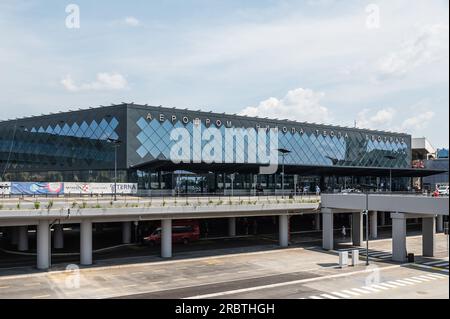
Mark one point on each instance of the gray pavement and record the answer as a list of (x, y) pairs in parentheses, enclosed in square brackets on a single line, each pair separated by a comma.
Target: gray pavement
[(306, 272)]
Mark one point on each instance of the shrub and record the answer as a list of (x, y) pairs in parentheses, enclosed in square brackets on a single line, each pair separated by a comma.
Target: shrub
[(37, 205)]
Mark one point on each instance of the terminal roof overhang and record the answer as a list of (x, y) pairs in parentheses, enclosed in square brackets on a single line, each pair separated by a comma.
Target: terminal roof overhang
[(289, 169)]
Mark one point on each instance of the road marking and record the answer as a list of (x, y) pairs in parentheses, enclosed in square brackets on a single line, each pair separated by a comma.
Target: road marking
[(361, 291), (33, 284), (39, 297), (4, 287), (202, 277), (380, 254), (405, 282), (384, 284), (129, 286), (328, 296), (370, 289), (351, 292), (289, 283), (340, 294), (379, 287), (137, 273), (428, 277), (433, 262), (441, 264), (438, 275), (315, 297), (412, 280), (396, 283), (421, 279)]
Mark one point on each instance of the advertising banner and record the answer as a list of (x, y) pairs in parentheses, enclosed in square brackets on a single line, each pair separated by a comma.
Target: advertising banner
[(37, 188), (5, 188), (99, 188)]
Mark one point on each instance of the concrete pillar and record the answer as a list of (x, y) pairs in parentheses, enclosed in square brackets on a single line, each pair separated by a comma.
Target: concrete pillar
[(428, 236), (58, 236), (166, 238), (383, 219), (14, 235), (327, 229), (43, 245), (232, 226), (23, 238), (126, 232), (374, 225), (440, 224), (317, 222), (86, 242), (283, 230), (398, 237), (357, 229)]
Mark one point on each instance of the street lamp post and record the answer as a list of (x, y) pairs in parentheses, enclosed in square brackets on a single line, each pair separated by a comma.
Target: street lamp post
[(116, 144), (366, 214), (390, 157), (283, 152)]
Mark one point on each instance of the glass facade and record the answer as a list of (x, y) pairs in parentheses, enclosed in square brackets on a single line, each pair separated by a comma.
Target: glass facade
[(72, 146), (76, 146), (305, 148)]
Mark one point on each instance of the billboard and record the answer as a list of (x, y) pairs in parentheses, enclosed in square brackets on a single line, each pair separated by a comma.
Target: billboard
[(5, 188), (99, 188), (37, 188)]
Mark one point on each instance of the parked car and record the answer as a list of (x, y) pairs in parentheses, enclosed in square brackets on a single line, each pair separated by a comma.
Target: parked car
[(443, 190), (182, 232)]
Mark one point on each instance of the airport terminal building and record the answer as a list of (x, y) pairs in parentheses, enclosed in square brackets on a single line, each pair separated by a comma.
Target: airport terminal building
[(193, 151)]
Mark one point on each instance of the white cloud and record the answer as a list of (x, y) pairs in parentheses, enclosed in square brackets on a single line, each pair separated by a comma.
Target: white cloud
[(418, 122), (428, 46), (299, 104), (380, 119), (105, 81), (131, 21)]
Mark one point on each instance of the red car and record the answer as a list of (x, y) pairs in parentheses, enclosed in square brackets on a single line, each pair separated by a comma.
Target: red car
[(182, 232)]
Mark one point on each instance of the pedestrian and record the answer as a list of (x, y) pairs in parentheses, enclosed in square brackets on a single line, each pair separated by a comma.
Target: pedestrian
[(317, 190), (344, 232)]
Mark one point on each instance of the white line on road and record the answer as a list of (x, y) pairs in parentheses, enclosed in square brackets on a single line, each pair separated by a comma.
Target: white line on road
[(433, 262), (384, 284), (421, 279), (396, 283), (441, 264), (370, 289), (351, 293), (340, 294), (328, 296), (129, 286), (39, 297), (405, 282), (282, 284), (378, 287), (412, 280), (4, 287), (32, 284), (315, 297), (361, 291)]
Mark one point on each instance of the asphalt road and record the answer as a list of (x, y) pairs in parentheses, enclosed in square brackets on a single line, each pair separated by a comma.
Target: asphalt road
[(299, 272)]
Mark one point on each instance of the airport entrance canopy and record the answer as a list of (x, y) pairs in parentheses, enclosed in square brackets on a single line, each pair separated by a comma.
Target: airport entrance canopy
[(299, 170)]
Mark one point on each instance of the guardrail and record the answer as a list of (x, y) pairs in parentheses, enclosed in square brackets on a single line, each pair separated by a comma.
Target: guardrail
[(46, 203), (163, 193)]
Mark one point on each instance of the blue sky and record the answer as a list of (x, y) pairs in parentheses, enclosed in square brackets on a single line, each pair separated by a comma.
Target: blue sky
[(383, 64)]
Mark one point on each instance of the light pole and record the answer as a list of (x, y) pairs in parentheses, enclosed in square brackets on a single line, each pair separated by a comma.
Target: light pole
[(366, 214), (390, 157), (283, 152), (116, 143)]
